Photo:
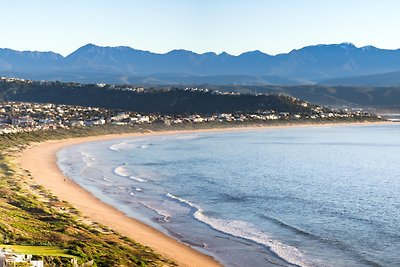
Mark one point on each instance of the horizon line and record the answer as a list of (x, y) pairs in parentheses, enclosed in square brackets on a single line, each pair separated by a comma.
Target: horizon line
[(198, 53)]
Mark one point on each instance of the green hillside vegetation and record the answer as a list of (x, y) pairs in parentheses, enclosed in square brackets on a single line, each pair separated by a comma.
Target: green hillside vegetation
[(32, 216), (159, 100), (174, 100), (39, 250), (325, 95)]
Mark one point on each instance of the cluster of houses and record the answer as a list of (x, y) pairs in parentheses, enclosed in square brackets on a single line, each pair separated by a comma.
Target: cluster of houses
[(11, 80), (19, 117), (10, 259), (74, 84), (206, 90), (23, 117)]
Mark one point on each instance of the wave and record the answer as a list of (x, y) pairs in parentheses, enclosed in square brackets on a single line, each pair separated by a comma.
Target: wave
[(107, 180), (122, 171), (138, 179), (165, 214), (115, 147), (292, 228), (128, 145), (87, 158), (247, 231), (120, 146)]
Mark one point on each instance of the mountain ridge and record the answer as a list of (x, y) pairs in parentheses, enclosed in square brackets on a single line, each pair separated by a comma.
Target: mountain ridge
[(310, 64)]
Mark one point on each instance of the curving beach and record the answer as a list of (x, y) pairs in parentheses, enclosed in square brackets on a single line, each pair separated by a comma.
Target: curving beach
[(40, 160)]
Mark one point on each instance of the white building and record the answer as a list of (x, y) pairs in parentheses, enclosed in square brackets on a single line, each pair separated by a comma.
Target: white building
[(9, 258)]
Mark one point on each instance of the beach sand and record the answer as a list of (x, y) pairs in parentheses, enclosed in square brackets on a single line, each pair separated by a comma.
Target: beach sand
[(40, 160)]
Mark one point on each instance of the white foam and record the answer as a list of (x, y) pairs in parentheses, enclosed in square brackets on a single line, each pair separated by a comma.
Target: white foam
[(122, 171), (183, 201), (138, 189), (138, 179), (124, 145), (247, 231), (114, 147), (162, 212), (107, 180), (119, 146), (88, 159)]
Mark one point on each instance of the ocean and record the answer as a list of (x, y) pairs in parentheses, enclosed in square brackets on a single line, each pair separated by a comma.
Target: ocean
[(304, 196)]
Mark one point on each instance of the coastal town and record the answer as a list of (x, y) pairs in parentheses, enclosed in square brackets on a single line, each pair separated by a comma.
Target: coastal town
[(25, 117)]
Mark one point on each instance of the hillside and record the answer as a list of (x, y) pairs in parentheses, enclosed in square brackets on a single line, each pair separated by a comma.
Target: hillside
[(333, 96), (177, 100), (307, 65), (164, 101)]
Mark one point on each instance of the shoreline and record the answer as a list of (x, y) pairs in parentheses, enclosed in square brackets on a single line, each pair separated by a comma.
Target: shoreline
[(40, 160)]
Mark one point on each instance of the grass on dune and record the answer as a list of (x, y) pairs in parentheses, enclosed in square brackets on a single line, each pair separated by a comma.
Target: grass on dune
[(38, 250)]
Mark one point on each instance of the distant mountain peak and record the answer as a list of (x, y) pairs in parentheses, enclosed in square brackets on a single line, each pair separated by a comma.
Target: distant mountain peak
[(86, 48), (347, 45), (180, 52), (93, 47), (88, 45), (369, 48), (254, 53), (224, 54)]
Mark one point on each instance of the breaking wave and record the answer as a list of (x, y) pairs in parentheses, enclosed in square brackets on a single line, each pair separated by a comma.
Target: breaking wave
[(138, 179), (129, 145), (247, 231), (162, 212), (122, 171)]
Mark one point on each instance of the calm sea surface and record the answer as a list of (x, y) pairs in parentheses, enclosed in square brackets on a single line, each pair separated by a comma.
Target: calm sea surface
[(315, 196)]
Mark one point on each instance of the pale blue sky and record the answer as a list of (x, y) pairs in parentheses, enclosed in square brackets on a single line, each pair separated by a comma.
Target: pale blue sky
[(234, 26)]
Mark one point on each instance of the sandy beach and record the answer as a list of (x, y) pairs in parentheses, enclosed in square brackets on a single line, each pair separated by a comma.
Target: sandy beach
[(40, 160)]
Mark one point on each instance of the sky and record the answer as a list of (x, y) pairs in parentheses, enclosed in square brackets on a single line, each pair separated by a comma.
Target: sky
[(233, 26)]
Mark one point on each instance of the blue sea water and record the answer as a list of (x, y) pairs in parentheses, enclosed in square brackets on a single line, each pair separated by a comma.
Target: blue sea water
[(312, 196)]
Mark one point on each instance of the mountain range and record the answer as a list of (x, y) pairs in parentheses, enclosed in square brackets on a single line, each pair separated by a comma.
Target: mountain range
[(337, 64)]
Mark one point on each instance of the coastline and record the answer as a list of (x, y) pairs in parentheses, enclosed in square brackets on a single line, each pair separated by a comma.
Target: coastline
[(40, 160)]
